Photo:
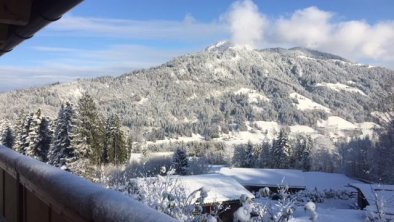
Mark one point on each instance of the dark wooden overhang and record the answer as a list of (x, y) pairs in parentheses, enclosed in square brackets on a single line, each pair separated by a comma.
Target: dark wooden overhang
[(21, 19)]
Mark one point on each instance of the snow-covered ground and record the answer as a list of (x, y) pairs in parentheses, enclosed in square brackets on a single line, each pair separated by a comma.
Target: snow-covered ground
[(330, 215), (139, 157), (307, 104), (341, 87), (259, 131), (253, 95), (338, 127)]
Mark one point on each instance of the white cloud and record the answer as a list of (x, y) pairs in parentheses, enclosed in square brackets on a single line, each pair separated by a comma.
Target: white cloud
[(315, 28), (246, 23), (308, 27)]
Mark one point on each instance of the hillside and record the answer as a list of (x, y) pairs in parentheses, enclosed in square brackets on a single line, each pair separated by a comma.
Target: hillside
[(232, 94)]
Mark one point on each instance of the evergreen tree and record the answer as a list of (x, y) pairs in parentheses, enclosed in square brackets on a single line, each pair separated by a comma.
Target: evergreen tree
[(385, 155), (107, 142), (61, 152), (281, 151), (301, 159), (26, 132), (265, 155), (129, 147), (244, 155), (89, 131), (115, 146), (238, 156), (44, 139), (31, 148), (180, 162), (306, 157), (22, 133), (18, 146), (8, 137)]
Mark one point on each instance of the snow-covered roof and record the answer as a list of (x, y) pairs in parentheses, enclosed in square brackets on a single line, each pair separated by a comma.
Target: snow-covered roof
[(266, 177), (220, 188), (322, 181), (374, 192)]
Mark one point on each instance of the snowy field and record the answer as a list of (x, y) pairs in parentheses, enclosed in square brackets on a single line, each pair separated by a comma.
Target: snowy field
[(330, 215)]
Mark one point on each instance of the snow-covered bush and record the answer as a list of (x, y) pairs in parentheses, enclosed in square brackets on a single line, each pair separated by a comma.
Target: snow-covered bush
[(376, 212), (264, 192), (265, 209), (319, 196), (164, 193), (310, 207), (243, 214)]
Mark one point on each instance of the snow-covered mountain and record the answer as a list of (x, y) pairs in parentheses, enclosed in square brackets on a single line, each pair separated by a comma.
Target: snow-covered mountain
[(232, 94)]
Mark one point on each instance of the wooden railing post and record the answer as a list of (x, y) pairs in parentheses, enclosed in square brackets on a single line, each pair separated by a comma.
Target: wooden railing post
[(19, 196)]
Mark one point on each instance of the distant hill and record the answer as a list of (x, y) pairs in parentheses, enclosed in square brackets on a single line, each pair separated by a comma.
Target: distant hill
[(232, 94)]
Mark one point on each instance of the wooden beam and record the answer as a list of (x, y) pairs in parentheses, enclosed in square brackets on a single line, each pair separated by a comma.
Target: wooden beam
[(15, 12), (3, 34)]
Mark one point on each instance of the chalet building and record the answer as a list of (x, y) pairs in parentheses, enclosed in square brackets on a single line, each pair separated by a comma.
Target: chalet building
[(255, 178), (369, 194), (220, 189)]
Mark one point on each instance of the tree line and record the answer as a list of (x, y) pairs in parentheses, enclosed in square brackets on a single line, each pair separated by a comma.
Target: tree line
[(281, 153)]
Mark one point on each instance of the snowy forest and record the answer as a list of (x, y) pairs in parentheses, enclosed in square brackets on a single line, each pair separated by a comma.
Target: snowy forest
[(81, 138), (78, 137)]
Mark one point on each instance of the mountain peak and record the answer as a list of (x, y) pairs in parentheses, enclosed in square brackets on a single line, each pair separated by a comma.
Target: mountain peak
[(223, 46), (220, 46)]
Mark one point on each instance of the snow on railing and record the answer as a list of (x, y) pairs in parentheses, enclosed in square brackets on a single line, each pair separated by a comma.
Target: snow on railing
[(25, 182)]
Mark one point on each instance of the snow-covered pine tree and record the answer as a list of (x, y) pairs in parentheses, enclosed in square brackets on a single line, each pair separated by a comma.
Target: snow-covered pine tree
[(244, 155), (306, 158), (61, 152), (26, 131), (180, 162), (115, 145), (39, 137), (385, 154), (238, 156), (8, 137), (129, 145), (89, 133), (44, 139), (22, 132), (33, 132), (281, 151), (107, 142), (251, 154), (3, 126), (301, 158), (265, 155), (18, 146)]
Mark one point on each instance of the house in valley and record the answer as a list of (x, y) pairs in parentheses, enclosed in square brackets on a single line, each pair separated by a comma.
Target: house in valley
[(375, 197), (219, 189), (255, 178)]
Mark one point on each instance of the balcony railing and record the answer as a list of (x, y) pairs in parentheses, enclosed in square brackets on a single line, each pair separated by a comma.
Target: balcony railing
[(34, 191)]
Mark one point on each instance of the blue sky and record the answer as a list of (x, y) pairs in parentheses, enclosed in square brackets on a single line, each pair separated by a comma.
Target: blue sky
[(103, 37)]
